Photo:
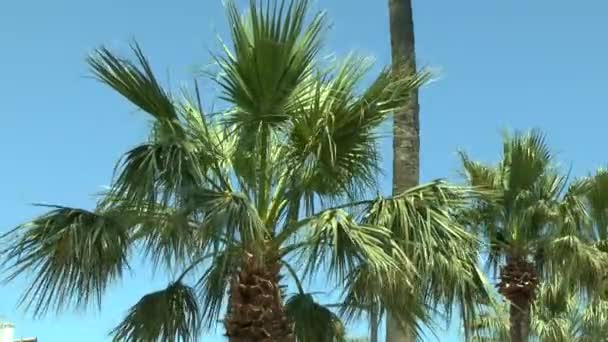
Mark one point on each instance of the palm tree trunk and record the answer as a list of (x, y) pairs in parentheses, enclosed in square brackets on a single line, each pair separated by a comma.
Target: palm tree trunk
[(406, 127), (519, 317), (257, 312), (518, 284)]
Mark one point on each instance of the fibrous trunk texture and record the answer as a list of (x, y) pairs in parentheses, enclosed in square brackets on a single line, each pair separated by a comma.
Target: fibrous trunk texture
[(406, 128), (518, 284), (256, 312)]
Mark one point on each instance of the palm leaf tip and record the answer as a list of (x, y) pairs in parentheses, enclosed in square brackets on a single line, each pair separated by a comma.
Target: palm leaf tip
[(73, 254), (171, 314), (135, 81)]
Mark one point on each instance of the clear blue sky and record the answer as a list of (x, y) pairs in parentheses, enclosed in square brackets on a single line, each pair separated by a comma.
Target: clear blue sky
[(515, 63)]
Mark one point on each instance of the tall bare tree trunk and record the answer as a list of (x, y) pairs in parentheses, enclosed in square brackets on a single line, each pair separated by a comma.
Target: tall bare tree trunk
[(406, 128)]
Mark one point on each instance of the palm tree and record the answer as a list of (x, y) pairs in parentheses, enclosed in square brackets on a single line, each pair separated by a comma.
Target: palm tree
[(536, 226), (406, 134), (234, 200), (559, 314)]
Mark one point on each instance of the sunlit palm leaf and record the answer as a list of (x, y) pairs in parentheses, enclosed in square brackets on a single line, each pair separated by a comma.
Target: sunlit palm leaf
[(272, 55), (423, 217), (332, 144), (172, 314), (71, 254), (336, 238)]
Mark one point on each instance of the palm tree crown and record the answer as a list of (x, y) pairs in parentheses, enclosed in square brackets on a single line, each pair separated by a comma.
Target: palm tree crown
[(535, 224)]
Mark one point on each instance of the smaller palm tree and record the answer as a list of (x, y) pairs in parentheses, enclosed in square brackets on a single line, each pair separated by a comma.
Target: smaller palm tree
[(535, 224), (559, 314)]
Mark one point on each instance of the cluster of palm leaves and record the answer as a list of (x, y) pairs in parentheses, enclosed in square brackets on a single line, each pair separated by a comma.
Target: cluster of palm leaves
[(273, 190), (276, 184)]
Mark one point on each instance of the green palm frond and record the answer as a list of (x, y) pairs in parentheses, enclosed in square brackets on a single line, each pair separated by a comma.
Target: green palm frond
[(423, 217), (272, 55), (390, 293), (213, 284), (332, 144), (71, 254), (593, 324), (336, 238), (527, 157), (134, 81), (159, 172), (172, 314), (578, 259), (169, 237), (312, 321), (491, 325), (230, 215), (597, 198)]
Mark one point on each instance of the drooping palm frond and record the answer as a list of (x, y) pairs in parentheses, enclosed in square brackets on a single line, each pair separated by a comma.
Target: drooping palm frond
[(72, 255), (489, 326), (172, 314), (231, 215), (593, 322), (336, 238), (423, 217), (555, 312), (577, 259), (312, 321), (213, 284), (389, 293)]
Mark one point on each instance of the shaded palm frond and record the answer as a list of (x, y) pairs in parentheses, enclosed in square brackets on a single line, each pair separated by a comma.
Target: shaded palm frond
[(597, 199), (369, 289), (212, 286), (158, 173), (312, 321), (491, 325), (172, 314), (71, 254), (230, 215)]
